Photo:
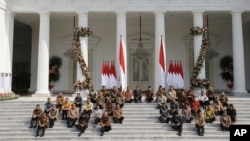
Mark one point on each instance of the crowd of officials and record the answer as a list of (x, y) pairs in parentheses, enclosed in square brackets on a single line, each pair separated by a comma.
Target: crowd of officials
[(176, 108)]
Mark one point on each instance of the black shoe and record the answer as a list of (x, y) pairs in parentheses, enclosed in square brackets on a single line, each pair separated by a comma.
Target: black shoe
[(102, 133), (42, 135), (31, 126), (34, 126), (36, 135), (202, 134), (79, 134), (179, 134)]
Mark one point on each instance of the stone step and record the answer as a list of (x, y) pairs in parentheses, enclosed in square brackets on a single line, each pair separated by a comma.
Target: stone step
[(108, 138), (114, 128), (115, 133)]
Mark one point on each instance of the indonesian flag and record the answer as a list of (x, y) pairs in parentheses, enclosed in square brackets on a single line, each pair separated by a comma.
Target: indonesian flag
[(122, 64), (107, 75), (175, 75), (113, 79), (170, 74), (180, 76), (103, 74), (162, 65)]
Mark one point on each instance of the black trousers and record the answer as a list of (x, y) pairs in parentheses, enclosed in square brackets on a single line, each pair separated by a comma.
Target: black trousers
[(137, 99), (71, 122), (64, 114), (105, 129), (40, 128), (150, 99), (82, 128), (52, 121), (79, 105), (97, 120), (200, 129), (59, 107), (118, 120), (32, 121), (178, 128), (224, 128)]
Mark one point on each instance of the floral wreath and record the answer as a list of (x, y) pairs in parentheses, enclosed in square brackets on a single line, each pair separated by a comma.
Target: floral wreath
[(199, 63), (78, 84)]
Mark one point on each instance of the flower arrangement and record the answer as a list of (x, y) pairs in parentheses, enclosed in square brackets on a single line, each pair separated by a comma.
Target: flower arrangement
[(199, 63), (82, 32), (8, 96), (226, 65), (54, 65)]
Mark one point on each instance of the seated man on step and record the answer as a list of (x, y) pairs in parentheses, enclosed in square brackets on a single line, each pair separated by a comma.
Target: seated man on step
[(37, 112), (43, 122), (117, 117), (105, 123), (53, 115), (176, 122), (72, 116), (65, 108), (59, 101), (82, 123)]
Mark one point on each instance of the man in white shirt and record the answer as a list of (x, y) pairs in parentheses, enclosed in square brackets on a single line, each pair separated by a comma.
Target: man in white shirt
[(203, 100)]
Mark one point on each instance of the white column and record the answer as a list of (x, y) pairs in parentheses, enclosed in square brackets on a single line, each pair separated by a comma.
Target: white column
[(43, 56), (238, 53), (159, 31), (9, 47), (34, 58), (82, 22), (121, 28), (3, 36), (198, 22)]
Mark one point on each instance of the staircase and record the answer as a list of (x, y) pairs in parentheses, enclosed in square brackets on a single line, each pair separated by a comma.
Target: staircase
[(140, 124)]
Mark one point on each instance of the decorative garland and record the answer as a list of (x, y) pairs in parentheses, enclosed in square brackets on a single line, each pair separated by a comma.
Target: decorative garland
[(81, 32), (201, 58)]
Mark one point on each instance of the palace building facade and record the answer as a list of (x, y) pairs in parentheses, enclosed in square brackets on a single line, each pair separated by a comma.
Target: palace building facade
[(33, 31)]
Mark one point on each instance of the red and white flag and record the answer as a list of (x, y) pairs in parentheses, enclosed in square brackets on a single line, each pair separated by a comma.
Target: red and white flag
[(170, 74), (122, 64), (103, 74), (175, 75), (180, 83), (162, 65), (113, 80)]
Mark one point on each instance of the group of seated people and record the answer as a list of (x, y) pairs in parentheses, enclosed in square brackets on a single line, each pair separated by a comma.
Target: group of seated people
[(109, 104), (191, 108), (103, 109)]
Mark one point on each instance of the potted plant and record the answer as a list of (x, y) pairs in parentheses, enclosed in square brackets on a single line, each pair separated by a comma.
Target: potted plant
[(55, 63), (226, 65)]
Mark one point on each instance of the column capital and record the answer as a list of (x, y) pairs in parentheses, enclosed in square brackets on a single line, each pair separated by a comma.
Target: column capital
[(82, 12), (159, 12), (44, 13), (237, 12), (2, 4), (197, 12), (121, 12), (11, 13)]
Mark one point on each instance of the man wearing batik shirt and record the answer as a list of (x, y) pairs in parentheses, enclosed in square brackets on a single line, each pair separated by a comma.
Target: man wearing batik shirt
[(137, 94), (43, 122), (82, 123), (171, 94), (176, 122), (78, 102), (225, 121), (118, 118), (149, 94), (105, 123), (93, 95), (59, 101), (53, 115), (37, 112), (72, 116)]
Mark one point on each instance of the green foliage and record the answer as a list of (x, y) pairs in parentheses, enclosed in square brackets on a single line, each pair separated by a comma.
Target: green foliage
[(9, 97), (226, 65), (55, 62)]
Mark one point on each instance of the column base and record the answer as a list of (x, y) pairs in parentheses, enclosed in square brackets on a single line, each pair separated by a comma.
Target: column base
[(41, 94), (240, 91)]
